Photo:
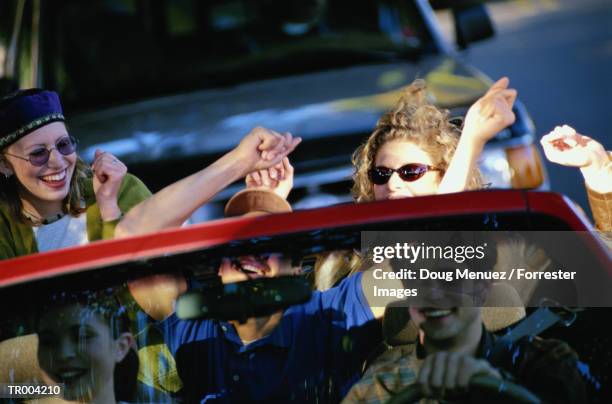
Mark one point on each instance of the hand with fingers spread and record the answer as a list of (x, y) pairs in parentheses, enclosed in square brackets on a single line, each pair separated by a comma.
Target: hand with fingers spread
[(263, 148), (108, 175), (278, 178), (448, 374), (490, 114), (567, 147)]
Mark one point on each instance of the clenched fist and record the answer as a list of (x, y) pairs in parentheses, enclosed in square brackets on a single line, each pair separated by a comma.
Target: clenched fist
[(108, 175)]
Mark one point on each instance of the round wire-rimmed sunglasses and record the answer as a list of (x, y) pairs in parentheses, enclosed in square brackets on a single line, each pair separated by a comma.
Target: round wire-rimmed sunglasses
[(39, 157), (409, 172)]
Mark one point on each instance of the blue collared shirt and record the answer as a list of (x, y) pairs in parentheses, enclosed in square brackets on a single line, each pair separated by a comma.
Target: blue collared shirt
[(314, 354)]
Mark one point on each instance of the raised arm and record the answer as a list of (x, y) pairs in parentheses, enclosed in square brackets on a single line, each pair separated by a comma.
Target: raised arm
[(171, 206), (156, 294), (485, 118), (566, 147)]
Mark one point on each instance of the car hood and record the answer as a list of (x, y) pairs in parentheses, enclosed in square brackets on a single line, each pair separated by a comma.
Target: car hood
[(328, 104)]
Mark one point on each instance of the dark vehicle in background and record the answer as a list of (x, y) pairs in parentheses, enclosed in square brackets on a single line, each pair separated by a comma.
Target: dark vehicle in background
[(168, 86)]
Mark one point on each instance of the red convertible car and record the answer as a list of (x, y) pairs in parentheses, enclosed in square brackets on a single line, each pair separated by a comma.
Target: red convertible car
[(31, 285)]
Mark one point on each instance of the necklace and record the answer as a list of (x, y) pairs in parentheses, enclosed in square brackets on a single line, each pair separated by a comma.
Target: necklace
[(38, 221)]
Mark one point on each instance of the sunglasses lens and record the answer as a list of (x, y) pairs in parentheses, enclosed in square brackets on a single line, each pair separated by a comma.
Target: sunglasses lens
[(66, 145), (380, 175), (412, 172), (409, 172), (39, 157)]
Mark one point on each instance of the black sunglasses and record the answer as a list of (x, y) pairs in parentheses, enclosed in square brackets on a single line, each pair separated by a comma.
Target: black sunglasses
[(40, 156), (410, 172)]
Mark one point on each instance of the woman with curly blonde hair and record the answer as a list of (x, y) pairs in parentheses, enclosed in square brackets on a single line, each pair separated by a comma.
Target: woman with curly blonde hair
[(428, 153), (417, 142), (415, 150)]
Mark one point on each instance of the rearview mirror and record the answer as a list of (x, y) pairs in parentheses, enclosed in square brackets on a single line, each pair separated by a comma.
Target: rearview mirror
[(241, 300), (472, 24)]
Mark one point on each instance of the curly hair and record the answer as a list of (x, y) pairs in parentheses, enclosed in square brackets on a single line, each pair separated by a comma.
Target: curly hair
[(416, 120)]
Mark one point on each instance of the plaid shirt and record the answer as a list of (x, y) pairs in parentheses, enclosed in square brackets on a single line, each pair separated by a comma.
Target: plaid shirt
[(394, 369), (549, 368)]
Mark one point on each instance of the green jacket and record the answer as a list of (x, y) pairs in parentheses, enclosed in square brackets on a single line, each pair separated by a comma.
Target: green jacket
[(17, 237)]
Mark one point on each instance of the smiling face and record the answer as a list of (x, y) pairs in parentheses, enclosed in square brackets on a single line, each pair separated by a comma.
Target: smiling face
[(395, 154), (253, 267), (449, 312), (76, 348), (45, 187), (447, 324)]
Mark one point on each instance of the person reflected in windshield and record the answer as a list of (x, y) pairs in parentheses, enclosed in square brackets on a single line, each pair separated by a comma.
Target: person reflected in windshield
[(87, 347)]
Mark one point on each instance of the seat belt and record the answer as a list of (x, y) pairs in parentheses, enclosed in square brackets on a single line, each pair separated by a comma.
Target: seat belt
[(539, 321)]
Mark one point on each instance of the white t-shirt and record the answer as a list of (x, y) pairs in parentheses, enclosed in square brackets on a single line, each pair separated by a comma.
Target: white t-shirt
[(69, 231)]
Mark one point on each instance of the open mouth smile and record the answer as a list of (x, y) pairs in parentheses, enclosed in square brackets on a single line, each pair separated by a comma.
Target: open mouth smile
[(252, 267), (436, 314), (56, 180), (69, 375)]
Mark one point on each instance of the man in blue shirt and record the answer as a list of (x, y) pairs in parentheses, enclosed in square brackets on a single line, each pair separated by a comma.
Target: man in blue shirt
[(310, 352)]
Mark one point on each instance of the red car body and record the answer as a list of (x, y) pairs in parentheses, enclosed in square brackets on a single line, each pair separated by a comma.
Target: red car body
[(76, 259)]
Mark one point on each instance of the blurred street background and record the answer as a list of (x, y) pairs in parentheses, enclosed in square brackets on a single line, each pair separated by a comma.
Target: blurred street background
[(558, 55)]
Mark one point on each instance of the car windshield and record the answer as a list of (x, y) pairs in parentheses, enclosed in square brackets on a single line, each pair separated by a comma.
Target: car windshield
[(117, 50), (181, 313)]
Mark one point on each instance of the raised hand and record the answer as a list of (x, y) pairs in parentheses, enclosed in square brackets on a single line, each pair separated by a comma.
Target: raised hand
[(263, 148), (108, 175), (485, 118), (491, 113), (260, 149), (278, 178), (567, 147)]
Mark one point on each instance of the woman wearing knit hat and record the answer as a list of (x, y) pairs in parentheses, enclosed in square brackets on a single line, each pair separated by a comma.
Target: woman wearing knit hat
[(50, 199)]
